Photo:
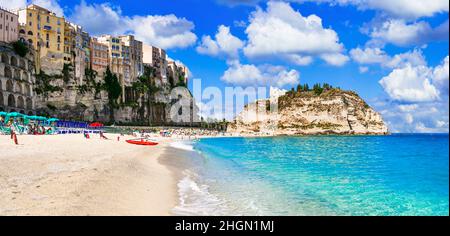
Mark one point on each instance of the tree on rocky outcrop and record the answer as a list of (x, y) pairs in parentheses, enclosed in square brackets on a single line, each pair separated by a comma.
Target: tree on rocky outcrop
[(317, 88), (181, 82), (20, 48), (114, 90)]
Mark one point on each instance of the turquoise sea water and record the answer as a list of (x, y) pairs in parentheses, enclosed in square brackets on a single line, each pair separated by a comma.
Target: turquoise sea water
[(320, 175)]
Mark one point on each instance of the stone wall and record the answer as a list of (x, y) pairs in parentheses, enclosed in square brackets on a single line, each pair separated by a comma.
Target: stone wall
[(16, 81)]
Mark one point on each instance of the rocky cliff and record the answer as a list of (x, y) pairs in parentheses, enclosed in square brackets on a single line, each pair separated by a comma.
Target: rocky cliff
[(304, 113)]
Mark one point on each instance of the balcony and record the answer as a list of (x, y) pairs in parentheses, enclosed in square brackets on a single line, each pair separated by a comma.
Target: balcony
[(47, 28)]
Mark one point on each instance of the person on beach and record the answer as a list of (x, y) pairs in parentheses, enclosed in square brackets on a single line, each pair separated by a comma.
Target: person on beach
[(102, 136), (13, 133)]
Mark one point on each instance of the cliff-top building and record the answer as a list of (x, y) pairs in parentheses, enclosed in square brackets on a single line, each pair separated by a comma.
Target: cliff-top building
[(99, 56), (9, 26), (156, 58), (46, 32)]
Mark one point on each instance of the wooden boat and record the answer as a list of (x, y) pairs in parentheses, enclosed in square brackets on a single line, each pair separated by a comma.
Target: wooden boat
[(142, 142)]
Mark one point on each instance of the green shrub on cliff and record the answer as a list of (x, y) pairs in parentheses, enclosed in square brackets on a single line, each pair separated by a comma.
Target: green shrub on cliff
[(20, 48)]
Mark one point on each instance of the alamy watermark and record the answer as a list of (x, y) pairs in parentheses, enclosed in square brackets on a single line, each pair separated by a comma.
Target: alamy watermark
[(226, 103)]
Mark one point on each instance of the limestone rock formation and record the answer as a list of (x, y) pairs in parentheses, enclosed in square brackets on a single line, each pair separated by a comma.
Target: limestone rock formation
[(303, 113)]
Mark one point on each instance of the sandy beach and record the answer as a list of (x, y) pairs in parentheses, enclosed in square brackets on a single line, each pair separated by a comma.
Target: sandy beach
[(71, 175)]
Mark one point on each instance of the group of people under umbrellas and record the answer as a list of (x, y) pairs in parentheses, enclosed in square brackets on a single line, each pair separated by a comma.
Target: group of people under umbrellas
[(16, 123)]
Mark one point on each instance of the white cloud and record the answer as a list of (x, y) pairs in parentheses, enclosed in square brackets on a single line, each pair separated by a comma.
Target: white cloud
[(370, 56), (13, 5), (414, 58), (415, 117), (243, 75), (404, 8), (363, 69), (409, 118), (99, 19), (418, 83), (408, 108), (52, 5), (224, 44), (298, 60), (168, 31), (282, 32), (401, 33), (411, 84), (335, 59), (408, 9), (441, 76)]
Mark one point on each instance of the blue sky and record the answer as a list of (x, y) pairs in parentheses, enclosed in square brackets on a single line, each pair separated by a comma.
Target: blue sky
[(393, 53)]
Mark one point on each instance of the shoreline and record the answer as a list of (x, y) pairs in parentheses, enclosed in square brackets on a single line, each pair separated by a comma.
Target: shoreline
[(75, 176)]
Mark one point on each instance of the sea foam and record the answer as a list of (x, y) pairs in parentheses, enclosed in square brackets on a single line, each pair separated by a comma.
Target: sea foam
[(196, 199), (187, 146)]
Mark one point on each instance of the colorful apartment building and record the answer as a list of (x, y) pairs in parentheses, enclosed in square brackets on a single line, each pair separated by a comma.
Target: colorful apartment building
[(99, 56), (156, 58), (46, 32), (9, 26), (176, 72), (135, 54)]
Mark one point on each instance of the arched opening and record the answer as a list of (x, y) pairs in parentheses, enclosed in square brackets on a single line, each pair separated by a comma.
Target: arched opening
[(29, 104), (1, 99), (30, 41), (9, 86), (22, 111), (17, 74), (30, 33), (20, 102), (25, 76), (23, 64), (30, 113), (19, 88), (11, 101), (14, 61), (5, 59), (28, 90), (8, 72), (22, 31)]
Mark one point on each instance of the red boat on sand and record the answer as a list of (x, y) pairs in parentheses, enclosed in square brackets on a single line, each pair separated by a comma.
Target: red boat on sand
[(142, 142)]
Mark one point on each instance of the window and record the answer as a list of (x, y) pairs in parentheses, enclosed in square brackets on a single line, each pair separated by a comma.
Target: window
[(47, 36), (30, 23), (1, 26), (48, 19), (47, 44), (30, 14)]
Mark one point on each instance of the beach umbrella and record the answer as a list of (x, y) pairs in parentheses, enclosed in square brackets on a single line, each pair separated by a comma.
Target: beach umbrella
[(96, 124), (15, 114)]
